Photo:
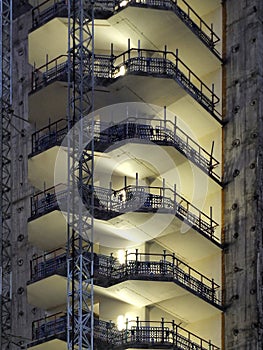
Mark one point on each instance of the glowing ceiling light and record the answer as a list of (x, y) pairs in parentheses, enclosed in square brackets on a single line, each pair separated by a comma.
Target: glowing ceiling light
[(121, 255), (120, 322), (124, 3)]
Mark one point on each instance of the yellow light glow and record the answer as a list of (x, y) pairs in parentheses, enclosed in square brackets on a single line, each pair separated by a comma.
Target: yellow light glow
[(124, 3), (120, 322), (121, 72), (121, 256)]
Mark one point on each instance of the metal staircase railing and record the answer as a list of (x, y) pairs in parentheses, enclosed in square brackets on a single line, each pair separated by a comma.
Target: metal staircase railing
[(53, 325), (104, 9), (109, 203), (47, 10), (137, 266), (161, 132), (138, 333), (108, 68)]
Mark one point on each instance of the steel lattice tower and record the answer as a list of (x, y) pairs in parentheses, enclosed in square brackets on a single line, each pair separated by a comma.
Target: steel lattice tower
[(80, 227), (5, 188)]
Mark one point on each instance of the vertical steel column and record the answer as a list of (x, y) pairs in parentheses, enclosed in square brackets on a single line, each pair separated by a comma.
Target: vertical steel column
[(80, 169), (5, 165)]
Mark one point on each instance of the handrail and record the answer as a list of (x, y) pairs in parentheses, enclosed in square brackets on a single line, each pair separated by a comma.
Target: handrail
[(104, 9), (42, 75), (110, 203), (110, 67), (152, 266), (41, 13), (48, 136), (162, 132), (136, 332), (49, 325)]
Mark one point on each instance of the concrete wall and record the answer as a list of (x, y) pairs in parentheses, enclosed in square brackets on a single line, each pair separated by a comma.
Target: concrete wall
[(22, 313), (243, 175)]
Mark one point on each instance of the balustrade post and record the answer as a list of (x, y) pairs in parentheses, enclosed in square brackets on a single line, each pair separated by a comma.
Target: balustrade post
[(163, 192), (164, 270), (174, 332), (136, 262), (165, 118), (175, 197), (176, 60), (175, 126), (126, 262), (110, 197), (110, 268), (213, 97), (164, 59), (111, 61), (129, 49), (162, 335), (137, 329), (173, 259), (126, 330), (211, 221), (47, 63), (213, 290)]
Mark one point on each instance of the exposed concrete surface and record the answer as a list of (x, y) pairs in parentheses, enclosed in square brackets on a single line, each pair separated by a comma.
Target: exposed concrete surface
[(243, 175), (22, 313)]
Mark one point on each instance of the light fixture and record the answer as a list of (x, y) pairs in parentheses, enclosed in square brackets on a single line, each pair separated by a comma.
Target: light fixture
[(121, 256), (121, 72), (120, 322)]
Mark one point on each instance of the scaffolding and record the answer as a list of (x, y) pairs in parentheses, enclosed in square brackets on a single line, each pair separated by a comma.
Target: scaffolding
[(80, 222), (5, 164)]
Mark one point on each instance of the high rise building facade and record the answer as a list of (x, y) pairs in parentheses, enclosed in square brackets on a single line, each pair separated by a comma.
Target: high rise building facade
[(176, 188)]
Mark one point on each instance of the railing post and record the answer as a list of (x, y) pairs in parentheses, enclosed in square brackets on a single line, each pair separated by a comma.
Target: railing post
[(164, 263), (176, 59), (175, 126), (47, 63), (213, 96), (137, 329), (165, 58), (126, 330), (111, 61), (126, 262), (211, 221), (165, 118), (136, 262), (162, 325), (175, 198), (111, 265), (110, 197), (213, 290), (175, 332), (129, 49), (163, 192)]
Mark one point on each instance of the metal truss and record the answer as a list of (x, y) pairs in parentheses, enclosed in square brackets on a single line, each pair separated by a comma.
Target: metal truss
[(5, 164), (80, 223)]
